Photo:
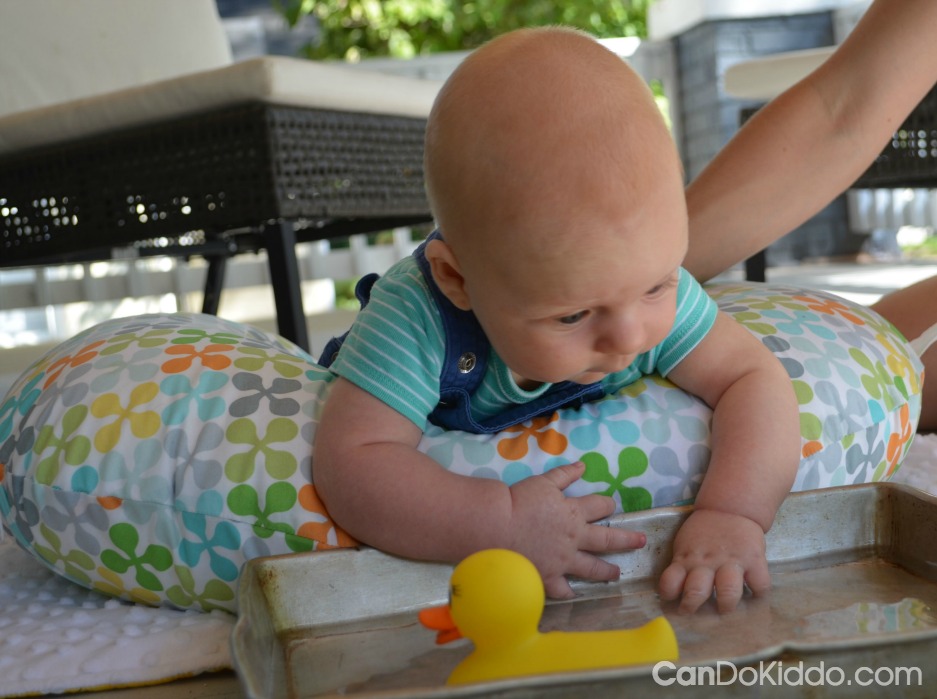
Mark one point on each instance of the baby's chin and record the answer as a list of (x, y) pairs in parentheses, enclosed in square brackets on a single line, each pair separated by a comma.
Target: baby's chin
[(589, 377), (586, 377)]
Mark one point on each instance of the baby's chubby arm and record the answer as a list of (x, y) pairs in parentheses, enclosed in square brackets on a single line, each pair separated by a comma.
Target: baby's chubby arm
[(755, 453), (387, 494)]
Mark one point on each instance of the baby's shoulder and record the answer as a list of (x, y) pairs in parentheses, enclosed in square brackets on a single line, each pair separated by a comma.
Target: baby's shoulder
[(402, 297), (404, 278)]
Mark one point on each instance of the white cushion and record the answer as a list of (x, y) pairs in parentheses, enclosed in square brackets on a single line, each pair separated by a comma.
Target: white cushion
[(275, 80), (53, 51), (766, 77)]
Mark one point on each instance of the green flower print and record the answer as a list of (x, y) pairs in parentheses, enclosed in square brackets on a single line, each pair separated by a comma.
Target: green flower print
[(631, 462), (126, 538), (74, 563), (280, 464), (68, 447)]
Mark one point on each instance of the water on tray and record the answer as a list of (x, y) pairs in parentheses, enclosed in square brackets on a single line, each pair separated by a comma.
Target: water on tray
[(867, 599)]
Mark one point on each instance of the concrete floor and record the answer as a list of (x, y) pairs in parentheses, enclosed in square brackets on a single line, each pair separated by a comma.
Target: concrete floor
[(862, 282)]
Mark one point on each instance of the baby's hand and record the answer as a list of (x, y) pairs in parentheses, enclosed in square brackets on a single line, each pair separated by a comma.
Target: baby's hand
[(556, 532), (716, 550)]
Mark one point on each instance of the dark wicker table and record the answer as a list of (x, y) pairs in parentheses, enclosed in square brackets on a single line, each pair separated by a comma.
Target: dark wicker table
[(245, 177), (910, 158)]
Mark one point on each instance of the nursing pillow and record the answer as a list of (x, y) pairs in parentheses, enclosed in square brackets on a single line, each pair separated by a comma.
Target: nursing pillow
[(149, 457)]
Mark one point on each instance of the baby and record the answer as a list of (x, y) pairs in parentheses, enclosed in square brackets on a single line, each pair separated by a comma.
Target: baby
[(555, 277)]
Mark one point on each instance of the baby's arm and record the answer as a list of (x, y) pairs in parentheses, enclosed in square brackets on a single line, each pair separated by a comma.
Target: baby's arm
[(755, 453), (384, 492)]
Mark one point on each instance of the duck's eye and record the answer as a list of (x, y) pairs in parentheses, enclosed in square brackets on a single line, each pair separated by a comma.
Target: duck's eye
[(453, 592)]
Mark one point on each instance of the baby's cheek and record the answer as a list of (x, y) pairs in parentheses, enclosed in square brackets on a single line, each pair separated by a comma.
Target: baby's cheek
[(661, 330)]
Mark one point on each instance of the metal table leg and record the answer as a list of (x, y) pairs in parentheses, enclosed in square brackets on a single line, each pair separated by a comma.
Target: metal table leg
[(214, 283), (756, 267), (279, 239)]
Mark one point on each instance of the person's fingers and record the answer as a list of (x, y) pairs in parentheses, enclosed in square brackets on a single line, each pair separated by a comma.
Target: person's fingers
[(567, 474), (589, 567), (595, 507), (729, 587), (558, 588), (697, 588), (671, 582), (758, 578), (602, 539)]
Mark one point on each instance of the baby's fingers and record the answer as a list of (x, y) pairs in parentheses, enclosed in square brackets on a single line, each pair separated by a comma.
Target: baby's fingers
[(564, 476), (671, 582), (602, 539), (730, 584), (693, 587), (729, 587), (697, 588), (595, 507), (758, 578), (558, 588), (589, 567)]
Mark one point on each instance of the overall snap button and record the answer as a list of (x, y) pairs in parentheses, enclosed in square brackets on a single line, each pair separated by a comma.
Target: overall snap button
[(467, 362)]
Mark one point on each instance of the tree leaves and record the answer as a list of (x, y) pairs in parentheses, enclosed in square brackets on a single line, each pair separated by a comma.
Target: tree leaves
[(355, 29)]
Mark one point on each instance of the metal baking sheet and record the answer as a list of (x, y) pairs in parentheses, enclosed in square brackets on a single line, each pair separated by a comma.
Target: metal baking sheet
[(854, 573)]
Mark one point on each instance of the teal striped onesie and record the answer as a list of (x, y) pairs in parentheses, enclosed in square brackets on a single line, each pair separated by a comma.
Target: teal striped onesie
[(396, 347)]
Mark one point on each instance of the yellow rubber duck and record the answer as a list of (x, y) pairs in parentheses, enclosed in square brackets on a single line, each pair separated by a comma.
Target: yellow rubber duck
[(496, 599)]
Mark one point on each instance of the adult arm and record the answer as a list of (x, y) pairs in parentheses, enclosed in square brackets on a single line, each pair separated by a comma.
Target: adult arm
[(814, 140)]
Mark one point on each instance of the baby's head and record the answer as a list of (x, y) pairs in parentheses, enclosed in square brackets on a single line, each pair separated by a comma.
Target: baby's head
[(548, 165)]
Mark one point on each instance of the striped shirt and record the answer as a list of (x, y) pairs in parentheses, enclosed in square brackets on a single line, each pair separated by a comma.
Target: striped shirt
[(396, 347)]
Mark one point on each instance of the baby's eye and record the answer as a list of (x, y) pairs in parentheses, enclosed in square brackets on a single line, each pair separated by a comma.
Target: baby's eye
[(573, 318), (660, 288)]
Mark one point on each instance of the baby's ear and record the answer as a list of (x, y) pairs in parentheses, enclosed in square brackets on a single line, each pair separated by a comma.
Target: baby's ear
[(447, 273)]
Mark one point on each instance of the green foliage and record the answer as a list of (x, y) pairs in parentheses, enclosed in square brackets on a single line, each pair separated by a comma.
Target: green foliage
[(354, 29), (925, 249)]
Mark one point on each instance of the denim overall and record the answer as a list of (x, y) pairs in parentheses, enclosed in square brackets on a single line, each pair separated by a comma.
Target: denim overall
[(467, 350)]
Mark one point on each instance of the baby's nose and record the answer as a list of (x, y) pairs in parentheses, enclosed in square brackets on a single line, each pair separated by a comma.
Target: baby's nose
[(622, 336)]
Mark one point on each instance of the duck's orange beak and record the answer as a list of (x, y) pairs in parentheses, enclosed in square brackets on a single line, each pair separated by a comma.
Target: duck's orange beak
[(439, 619)]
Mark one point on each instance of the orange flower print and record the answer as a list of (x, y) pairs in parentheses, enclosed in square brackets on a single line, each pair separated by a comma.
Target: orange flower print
[(548, 439), (323, 530), (110, 502), (810, 448), (831, 308), (210, 357), (897, 442), (82, 356)]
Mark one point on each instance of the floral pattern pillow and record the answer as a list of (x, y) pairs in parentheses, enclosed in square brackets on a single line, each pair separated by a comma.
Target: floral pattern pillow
[(150, 457)]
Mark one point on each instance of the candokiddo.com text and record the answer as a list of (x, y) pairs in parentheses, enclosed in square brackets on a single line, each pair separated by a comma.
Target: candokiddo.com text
[(781, 674)]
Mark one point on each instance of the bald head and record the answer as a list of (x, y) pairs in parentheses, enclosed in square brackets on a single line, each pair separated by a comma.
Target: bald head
[(538, 123)]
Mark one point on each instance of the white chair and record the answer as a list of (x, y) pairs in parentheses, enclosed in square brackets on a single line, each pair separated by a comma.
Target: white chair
[(54, 51), (131, 117)]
